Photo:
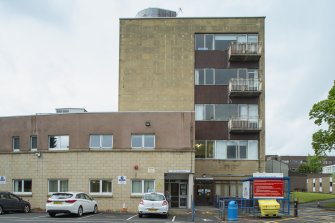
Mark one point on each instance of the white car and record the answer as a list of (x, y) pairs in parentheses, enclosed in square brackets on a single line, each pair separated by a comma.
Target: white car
[(71, 203), (153, 203)]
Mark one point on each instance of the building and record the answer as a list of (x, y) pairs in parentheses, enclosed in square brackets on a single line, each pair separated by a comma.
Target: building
[(213, 67), (294, 162), (115, 157), (320, 183)]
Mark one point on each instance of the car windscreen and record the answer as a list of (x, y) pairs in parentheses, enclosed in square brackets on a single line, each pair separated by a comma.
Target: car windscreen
[(154, 197), (61, 196)]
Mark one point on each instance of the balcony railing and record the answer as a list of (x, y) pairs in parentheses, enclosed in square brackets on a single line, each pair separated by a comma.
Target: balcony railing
[(245, 87), (244, 51), (245, 124)]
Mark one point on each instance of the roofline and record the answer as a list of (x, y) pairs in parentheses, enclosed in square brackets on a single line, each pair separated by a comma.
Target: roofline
[(91, 113), (148, 18)]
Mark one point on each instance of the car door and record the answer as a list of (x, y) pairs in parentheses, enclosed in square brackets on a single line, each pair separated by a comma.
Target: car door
[(90, 203), (4, 201), (13, 202), (84, 202)]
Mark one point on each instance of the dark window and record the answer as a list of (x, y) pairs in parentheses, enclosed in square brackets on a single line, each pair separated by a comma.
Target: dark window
[(16, 143), (231, 152), (33, 142)]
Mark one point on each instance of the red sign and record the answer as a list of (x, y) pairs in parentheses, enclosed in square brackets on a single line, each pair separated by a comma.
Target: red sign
[(268, 188)]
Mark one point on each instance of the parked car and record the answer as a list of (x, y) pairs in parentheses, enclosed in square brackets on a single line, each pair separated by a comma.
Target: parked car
[(11, 202), (72, 203), (153, 203)]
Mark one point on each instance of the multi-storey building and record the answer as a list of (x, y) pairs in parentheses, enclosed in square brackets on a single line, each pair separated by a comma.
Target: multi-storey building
[(213, 66), (89, 152)]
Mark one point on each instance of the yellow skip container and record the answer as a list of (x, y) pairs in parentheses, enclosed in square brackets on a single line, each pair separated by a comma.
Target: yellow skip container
[(269, 208)]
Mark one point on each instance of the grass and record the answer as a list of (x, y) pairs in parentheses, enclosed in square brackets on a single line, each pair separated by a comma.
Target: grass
[(304, 197)]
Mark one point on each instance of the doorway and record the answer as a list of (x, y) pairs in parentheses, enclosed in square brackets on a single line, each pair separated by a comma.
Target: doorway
[(178, 193), (204, 192)]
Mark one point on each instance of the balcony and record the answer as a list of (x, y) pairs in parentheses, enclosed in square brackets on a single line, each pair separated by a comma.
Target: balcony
[(245, 125), (246, 52), (242, 87)]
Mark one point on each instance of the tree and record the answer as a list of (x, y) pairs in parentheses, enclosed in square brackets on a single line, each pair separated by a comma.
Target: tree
[(323, 112), (313, 164)]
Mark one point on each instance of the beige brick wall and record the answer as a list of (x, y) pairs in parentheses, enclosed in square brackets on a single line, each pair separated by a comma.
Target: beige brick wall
[(80, 167)]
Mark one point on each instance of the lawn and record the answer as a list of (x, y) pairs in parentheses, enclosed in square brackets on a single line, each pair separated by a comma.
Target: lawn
[(304, 197)]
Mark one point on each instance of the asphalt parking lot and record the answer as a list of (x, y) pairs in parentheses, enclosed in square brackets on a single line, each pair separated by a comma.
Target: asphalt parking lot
[(100, 218), (309, 214)]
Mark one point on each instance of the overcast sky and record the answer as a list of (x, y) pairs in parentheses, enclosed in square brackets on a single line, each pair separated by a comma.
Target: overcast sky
[(63, 53)]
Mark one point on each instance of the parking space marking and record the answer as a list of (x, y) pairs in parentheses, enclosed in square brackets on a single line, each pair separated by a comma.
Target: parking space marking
[(131, 217), (174, 217)]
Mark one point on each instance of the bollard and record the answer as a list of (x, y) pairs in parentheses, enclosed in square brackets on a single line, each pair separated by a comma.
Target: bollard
[(295, 207)]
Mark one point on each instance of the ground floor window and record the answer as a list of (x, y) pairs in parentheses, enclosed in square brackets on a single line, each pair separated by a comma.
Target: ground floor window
[(229, 188), (101, 186), (22, 186), (142, 186), (58, 185)]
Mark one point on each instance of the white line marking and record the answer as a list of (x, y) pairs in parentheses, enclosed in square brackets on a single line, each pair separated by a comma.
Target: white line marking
[(174, 217), (131, 217)]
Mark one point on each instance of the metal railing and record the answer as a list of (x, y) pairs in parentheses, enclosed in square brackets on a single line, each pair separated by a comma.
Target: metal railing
[(245, 85), (245, 48), (250, 123)]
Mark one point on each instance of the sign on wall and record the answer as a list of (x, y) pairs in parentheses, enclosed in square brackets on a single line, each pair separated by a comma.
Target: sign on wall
[(268, 188), (2, 180), (246, 189), (122, 180)]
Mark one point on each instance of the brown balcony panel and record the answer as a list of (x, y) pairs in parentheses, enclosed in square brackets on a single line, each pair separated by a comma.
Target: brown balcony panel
[(244, 57), (236, 93)]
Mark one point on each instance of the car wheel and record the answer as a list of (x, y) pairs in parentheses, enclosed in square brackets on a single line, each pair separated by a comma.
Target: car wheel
[(1, 210), (26, 208), (52, 214), (95, 211), (140, 215), (80, 211)]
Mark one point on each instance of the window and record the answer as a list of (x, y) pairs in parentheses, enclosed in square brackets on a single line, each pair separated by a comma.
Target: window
[(101, 141), (58, 185), (59, 142), (223, 41), (100, 186), (22, 186), (33, 143), (223, 76), (143, 141), (226, 149), (16, 143), (142, 186), (224, 112)]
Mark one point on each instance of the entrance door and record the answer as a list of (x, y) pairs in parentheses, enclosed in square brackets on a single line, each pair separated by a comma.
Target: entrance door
[(204, 192), (183, 195), (175, 195)]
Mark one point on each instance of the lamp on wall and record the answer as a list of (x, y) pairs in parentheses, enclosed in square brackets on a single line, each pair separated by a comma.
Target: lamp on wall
[(147, 124), (38, 155), (203, 175)]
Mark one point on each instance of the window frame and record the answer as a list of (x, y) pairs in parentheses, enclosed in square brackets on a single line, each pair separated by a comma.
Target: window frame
[(143, 141), (14, 139), (22, 192), (100, 187), (58, 185), (31, 143), (101, 141), (60, 143), (142, 186)]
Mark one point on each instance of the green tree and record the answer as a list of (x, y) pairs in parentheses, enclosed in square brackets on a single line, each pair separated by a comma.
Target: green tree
[(313, 164), (323, 112)]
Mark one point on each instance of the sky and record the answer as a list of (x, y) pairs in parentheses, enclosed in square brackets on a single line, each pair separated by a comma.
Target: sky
[(65, 53)]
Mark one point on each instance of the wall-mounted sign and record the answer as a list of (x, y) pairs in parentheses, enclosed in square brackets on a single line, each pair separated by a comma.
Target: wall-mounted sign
[(151, 169), (268, 188), (179, 171), (2, 180), (122, 180)]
